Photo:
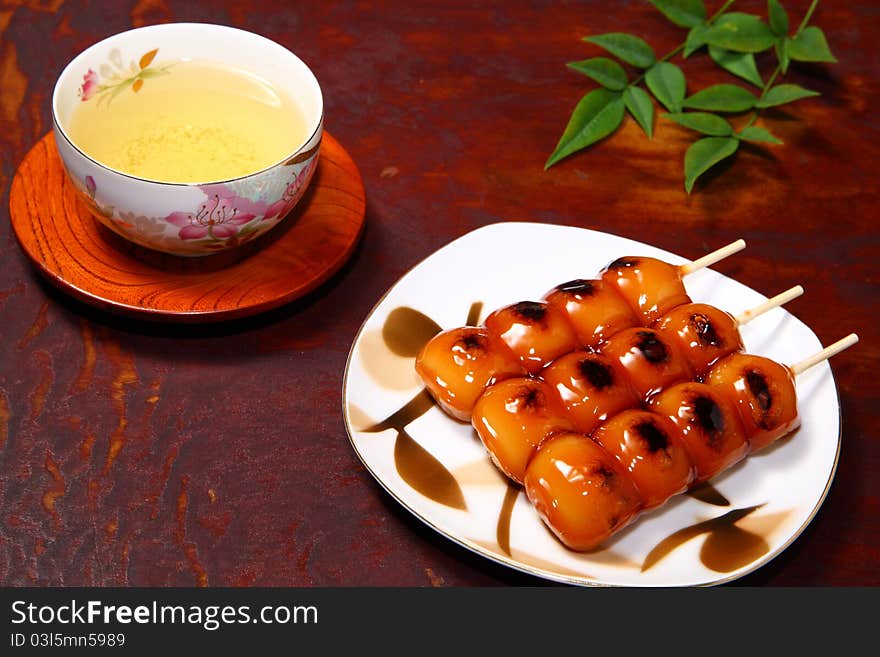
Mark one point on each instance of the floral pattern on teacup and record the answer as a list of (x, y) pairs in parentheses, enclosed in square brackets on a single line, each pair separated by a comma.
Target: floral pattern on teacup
[(292, 193), (230, 215), (216, 218), (114, 77)]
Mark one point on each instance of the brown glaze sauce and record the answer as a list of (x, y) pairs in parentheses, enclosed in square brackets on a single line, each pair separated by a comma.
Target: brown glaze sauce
[(414, 408), (708, 494), (730, 547), (502, 531), (416, 466), (406, 331), (421, 470), (727, 547)]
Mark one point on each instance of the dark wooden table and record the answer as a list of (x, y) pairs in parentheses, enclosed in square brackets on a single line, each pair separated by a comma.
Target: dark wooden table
[(142, 454)]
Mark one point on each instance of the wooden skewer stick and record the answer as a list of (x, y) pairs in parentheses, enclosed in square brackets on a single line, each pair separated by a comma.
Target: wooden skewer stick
[(825, 354), (711, 258), (779, 300)]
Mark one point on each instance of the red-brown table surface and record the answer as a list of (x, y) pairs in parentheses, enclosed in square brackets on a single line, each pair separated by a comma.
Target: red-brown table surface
[(139, 454)]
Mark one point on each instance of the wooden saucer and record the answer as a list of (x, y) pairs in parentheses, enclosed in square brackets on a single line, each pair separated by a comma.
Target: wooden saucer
[(82, 257)]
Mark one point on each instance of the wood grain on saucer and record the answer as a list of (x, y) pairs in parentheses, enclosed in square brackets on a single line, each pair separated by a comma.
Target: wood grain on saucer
[(74, 251)]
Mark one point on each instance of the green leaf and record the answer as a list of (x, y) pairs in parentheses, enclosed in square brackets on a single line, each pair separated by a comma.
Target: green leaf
[(597, 115), (627, 47), (741, 64), (721, 98), (708, 124), (778, 18), (152, 72), (639, 104), (741, 33), (758, 135), (784, 93), (605, 71), (782, 55), (667, 83), (116, 90), (703, 155), (684, 13), (696, 38), (811, 46)]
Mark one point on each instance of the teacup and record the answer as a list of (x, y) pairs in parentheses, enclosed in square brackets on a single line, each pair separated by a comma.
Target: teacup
[(188, 219)]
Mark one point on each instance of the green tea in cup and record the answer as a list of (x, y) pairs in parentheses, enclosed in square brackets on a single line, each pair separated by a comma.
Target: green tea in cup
[(186, 122)]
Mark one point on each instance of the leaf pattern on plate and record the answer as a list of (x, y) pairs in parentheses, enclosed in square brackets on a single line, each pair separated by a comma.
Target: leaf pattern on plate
[(421, 470), (406, 331), (729, 547), (416, 465), (708, 494), (502, 531), (414, 408)]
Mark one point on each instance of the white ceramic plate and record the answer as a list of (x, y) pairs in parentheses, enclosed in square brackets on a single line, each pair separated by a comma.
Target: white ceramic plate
[(437, 468)]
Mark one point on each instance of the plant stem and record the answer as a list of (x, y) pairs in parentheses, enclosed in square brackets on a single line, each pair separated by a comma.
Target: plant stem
[(672, 53), (724, 8), (767, 86), (772, 79), (807, 16)]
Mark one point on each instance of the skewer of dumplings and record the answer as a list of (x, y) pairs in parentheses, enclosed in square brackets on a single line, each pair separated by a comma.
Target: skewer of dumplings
[(621, 382)]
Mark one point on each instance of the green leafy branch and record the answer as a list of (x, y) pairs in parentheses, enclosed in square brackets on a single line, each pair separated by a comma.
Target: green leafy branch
[(731, 39)]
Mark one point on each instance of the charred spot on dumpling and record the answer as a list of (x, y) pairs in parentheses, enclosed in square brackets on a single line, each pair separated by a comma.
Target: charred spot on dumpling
[(709, 417), (757, 384), (651, 346), (606, 475), (598, 374), (705, 330), (529, 398), (622, 263), (759, 389), (530, 310), (577, 286), (653, 436), (472, 343)]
